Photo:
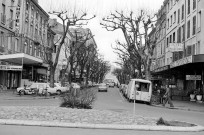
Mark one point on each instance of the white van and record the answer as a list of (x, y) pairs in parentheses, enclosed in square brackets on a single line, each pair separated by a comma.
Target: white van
[(139, 89)]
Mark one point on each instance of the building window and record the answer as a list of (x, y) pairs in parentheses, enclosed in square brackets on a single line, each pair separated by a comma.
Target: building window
[(171, 19), (198, 48), (178, 15), (199, 20), (194, 25), (188, 29), (168, 23), (27, 5), (194, 4), (2, 39), (16, 45), (183, 32), (174, 37), (170, 40), (19, 2), (189, 7), (174, 16), (167, 42), (11, 19), (179, 35), (31, 49), (25, 47), (182, 12), (35, 51), (9, 42)]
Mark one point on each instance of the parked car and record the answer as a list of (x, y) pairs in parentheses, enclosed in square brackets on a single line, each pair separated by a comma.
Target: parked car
[(32, 88), (112, 84), (58, 89), (102, 87), (75, 86)]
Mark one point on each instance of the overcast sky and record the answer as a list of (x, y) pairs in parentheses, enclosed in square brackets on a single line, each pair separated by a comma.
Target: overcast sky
[(102, 8)]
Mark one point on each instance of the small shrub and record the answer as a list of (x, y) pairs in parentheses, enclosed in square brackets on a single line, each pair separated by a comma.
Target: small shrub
[(161, 121), (77, 98)]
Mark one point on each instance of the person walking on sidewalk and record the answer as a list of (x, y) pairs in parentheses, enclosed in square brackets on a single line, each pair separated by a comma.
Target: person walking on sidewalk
[(167, 96)]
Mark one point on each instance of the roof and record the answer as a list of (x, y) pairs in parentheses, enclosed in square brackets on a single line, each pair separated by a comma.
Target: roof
[(141, 80)]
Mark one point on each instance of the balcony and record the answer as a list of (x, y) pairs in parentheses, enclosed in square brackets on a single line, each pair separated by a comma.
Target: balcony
[(3, 18)]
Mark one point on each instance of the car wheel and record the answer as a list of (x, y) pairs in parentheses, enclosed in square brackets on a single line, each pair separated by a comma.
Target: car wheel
[(22, 92), (48, 94), (59, 92)]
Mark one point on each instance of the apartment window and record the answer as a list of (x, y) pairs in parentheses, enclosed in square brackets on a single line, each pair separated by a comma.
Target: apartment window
[(16, 45), (37, 15), (3, 9), (9, 42), (174, 16), (2, 37), (198, 48), (25, 47), (194, 25), (168, 7), (199, 19), (194, 4), (27, 5), (19, 2), (35, 51), (171, 19), (188, 29), (178, 15), (168, 24), (174, 37), (31, 49), (183, 32), (11, 19), (170, 40), (171, 3), (182, 12), (179, 35), (167, 42), (189, 7)]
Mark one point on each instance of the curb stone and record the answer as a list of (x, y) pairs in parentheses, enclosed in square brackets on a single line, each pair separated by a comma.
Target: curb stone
[(178, 108), (101, 126)]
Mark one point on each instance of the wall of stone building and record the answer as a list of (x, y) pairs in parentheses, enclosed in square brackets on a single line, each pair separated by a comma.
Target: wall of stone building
[(200, 30)]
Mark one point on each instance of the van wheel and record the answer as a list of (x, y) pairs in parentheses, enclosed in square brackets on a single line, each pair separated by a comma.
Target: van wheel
[(148, 103), (59, 92), (48, 94)]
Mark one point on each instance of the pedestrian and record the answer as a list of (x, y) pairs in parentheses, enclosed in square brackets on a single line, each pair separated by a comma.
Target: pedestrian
[(167, 96)]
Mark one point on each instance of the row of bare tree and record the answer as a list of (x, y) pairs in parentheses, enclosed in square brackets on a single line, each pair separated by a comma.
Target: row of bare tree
[(81, 54), (136, 53)]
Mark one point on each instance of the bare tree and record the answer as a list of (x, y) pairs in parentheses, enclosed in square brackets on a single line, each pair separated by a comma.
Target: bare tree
[(67, 21), (135, 30)]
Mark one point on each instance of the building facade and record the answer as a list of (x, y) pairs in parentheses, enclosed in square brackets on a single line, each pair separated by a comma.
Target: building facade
[(23, 32), (184, 52)]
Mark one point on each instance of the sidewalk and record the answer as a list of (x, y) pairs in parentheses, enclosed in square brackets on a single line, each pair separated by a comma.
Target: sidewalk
[(185, 105)]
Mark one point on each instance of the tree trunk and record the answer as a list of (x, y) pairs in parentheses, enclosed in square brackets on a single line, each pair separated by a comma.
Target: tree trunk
[(52, 76)]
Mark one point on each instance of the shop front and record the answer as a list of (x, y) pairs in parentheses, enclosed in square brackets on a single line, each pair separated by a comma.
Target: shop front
[(30, 69), (189, 74)]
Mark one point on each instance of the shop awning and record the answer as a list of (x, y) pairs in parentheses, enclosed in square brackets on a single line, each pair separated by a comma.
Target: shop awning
[(20, 58)]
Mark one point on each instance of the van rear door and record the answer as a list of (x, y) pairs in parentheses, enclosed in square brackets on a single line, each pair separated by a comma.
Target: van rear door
[(145, 87)]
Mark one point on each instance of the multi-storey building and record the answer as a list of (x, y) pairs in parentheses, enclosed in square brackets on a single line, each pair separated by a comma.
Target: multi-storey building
[(23, 32), (184, 59)]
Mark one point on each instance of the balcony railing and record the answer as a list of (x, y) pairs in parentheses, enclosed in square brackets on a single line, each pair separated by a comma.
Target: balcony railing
[(3, 18)]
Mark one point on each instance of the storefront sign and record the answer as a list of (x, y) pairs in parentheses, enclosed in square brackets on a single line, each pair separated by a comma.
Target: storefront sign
[(175, 47), (161, 68), (183, 61), (9, 67), (193, 77)]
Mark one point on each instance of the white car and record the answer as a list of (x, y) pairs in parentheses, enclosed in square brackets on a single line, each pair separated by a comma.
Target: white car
[(58, 89), (102, 87)]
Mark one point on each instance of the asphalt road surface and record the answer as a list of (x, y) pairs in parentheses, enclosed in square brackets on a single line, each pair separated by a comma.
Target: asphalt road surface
[(111, 100)]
